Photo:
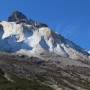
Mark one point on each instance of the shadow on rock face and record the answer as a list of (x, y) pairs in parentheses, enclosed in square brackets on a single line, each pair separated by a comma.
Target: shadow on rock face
[(1, 72), (11, 45), (1, 31)]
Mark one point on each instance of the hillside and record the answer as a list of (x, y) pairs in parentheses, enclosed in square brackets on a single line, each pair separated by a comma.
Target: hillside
[(35, 74)]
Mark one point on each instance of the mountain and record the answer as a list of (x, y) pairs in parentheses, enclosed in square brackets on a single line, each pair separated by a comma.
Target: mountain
[(21, 35), (34, 57)]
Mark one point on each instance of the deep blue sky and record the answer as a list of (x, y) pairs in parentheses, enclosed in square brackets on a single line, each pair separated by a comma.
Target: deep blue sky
[(71, 18)]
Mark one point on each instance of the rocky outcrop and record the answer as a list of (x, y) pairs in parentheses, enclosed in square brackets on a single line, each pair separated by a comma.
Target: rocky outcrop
[(17, 17)]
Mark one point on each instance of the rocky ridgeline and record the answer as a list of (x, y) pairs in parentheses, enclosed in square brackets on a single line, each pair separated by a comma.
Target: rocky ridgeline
[(23, 36)]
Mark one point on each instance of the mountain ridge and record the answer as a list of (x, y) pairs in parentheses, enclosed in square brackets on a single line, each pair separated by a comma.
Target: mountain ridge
[(34, 57), (33, 37)]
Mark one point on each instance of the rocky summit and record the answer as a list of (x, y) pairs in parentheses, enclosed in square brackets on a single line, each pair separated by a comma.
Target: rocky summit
[(34, 57), (17, 17)]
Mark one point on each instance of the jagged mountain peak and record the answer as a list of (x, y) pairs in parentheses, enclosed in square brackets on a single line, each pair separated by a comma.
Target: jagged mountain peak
[(30, 37), (53, 62), (17, 16)]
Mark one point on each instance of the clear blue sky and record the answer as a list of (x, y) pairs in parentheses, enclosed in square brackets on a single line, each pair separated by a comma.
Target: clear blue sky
[(71, 18)]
